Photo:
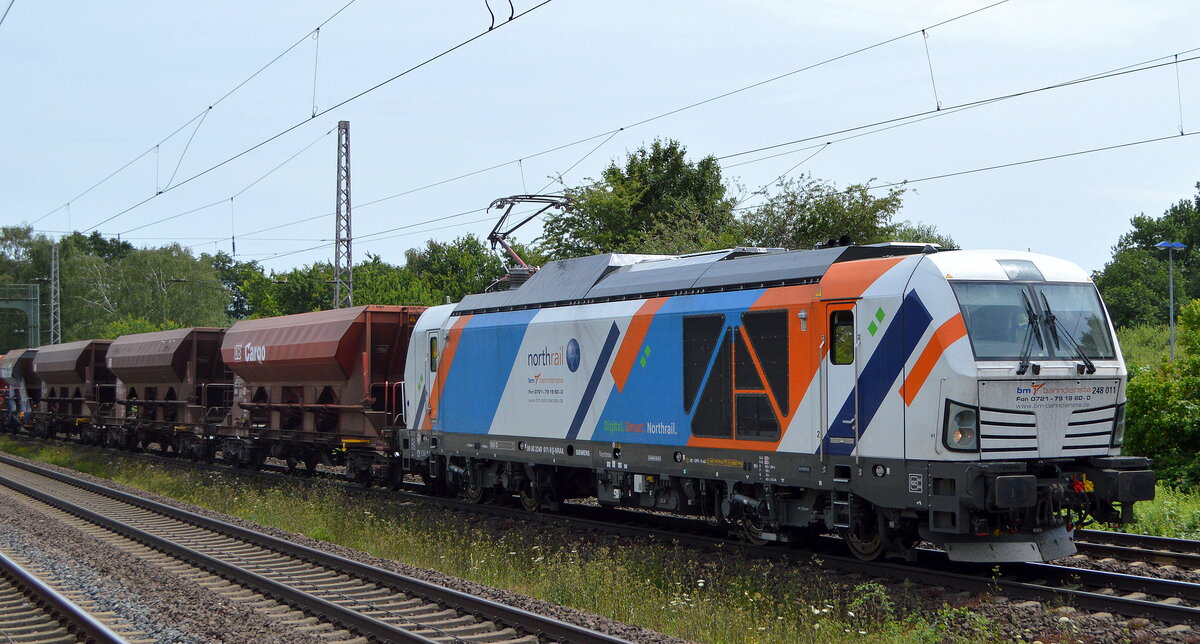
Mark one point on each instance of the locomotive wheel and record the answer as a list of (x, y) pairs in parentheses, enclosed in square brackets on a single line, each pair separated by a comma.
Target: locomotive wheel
[(867, 548), (476, 493), (753, 529), (531, 499)]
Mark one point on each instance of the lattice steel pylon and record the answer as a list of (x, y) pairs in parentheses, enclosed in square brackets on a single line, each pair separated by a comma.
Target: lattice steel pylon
[(343, 263), (55, 298)]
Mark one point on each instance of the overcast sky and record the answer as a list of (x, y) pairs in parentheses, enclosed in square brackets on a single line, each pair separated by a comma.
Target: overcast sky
[(89, 86)]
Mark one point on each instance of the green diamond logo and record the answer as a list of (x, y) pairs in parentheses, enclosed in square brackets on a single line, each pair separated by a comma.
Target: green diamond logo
[(647, 350), (879, 315), (643, 361), (872, 327)]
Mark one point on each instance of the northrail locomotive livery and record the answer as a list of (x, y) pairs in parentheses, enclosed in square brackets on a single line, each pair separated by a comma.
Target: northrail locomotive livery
[(888, 393)]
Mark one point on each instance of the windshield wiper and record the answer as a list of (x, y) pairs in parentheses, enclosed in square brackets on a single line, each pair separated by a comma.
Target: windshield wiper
[(1027, 346), (1052, 325)]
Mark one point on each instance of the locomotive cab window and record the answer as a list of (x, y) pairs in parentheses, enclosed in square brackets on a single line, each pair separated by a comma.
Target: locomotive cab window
[(841, 337), (433, 353)]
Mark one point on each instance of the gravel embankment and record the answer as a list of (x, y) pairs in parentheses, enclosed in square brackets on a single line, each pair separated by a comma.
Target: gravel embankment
[(161, 605)]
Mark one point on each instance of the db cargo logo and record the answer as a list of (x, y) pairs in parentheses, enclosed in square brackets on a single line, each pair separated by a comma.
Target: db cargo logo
[(249, 353), (568, 355)]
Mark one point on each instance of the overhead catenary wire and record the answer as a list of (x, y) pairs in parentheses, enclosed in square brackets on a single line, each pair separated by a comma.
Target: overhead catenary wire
[(1123, 71), (854, 132), (684, 108), (6, 10), (1052, 157), (234, 195), (609, 133), (201, 114), (1179, 93), (874, 187), (323, 112)]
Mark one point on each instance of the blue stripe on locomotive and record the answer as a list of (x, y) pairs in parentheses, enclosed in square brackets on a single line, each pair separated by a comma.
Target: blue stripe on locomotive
[(650, 407), (483, 360)]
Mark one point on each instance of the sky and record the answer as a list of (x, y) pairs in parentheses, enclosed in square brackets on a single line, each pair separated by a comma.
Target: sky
[(552, 96)]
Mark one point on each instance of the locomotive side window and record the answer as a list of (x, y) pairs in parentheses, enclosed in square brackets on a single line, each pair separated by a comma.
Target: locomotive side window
[(433, 354), (755, 418), (841, 337), (768, 331), (714, 413), (700, 336)]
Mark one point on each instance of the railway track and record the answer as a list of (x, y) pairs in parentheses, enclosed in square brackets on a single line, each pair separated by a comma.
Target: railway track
[(368, 602), (33, 611), (1173, 602), (1161, 551)]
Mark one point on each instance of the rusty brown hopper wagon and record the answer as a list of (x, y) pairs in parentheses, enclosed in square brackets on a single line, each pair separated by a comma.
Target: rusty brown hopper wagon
[(77, 385), (169, 384), (318, 381), (24, 387)]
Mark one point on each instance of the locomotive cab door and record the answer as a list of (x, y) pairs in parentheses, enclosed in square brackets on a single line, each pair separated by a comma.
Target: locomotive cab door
[(433, 347), (840, 431)]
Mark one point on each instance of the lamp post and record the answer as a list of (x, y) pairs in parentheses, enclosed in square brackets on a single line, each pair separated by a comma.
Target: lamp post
[(1171, 246)]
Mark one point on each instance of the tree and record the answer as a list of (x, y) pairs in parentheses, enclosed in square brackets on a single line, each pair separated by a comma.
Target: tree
[(636, 202), (299, 290), (1134, 285), (1134, 282), (235, 276), (377, 282), (96, 244), (456, 268), (166, 286), (128, 325), (803, 212)]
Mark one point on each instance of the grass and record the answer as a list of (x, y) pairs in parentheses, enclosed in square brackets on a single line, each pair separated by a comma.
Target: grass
[(675, 590), (1173, 513)]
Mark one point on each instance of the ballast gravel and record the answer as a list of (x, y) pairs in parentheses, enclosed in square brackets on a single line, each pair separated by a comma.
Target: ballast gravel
[(1008, 619), (162, 606), (524, 602)]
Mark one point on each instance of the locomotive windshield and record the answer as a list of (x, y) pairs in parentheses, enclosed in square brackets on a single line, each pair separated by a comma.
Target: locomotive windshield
[(1038, 319)]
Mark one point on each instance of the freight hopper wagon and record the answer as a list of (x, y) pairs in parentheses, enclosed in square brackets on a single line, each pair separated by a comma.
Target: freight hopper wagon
[(888, 393), (24, 389), (77, 386), (171, 385), (321, 387)]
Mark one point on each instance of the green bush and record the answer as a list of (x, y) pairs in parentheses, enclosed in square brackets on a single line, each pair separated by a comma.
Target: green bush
[(1145, 345)]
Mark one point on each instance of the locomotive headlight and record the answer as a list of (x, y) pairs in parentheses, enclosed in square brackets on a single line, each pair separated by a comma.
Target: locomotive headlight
[(1118, 435), (961, 431)]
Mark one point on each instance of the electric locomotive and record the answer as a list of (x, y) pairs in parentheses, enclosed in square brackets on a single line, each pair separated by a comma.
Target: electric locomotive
[(890, 393)]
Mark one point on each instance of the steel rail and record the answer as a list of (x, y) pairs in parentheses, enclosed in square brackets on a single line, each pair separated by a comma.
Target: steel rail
[(362, 624), (522, 620), (1139, 547), (77, 620)]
